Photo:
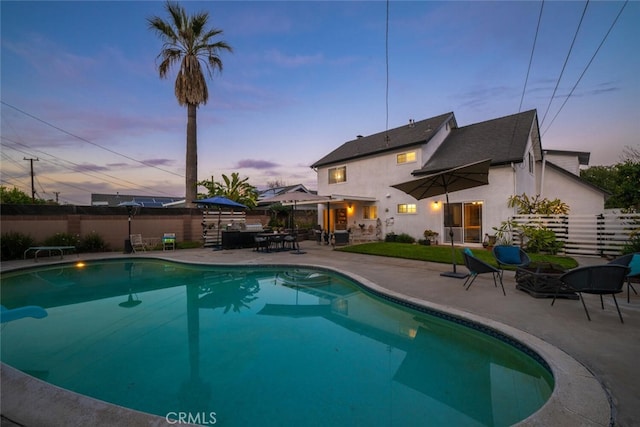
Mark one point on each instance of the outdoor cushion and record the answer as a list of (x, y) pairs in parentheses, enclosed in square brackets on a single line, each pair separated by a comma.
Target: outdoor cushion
[(634, 265), (509, 254)]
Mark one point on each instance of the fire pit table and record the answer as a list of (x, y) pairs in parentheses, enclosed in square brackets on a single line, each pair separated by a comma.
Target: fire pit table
[(542, 280)]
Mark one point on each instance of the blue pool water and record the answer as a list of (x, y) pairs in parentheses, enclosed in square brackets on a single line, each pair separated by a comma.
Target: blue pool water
[(245, 346)]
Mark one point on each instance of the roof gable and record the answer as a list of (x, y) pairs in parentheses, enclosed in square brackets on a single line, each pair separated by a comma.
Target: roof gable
[(415, 133), (503, 140)]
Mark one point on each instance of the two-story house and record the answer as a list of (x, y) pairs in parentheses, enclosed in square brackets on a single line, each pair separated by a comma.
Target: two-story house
[(358, 176)]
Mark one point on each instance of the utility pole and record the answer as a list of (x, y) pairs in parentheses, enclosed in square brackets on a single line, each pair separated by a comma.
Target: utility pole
[(33, 187), (57, 193)]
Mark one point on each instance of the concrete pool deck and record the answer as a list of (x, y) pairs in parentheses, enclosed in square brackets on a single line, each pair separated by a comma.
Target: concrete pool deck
[(603, 388)]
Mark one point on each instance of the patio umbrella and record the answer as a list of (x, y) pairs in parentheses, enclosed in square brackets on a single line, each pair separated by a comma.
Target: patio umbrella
[(220, 202), (460, 178), (131, 207), (295, 197)]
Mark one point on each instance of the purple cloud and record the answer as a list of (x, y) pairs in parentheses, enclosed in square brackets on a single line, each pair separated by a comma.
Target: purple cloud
[(256, 164)]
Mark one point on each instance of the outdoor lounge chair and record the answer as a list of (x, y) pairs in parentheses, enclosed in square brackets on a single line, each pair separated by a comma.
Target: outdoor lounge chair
[(511, 256), (477, 266), (633, 262), (595, 279), (137, 244)]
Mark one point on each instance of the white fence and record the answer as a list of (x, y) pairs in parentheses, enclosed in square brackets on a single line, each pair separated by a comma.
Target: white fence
[(604, 234)]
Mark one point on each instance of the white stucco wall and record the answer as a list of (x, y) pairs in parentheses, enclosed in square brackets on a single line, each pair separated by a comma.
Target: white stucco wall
[(569, 162), (372, 177), (581, 198)]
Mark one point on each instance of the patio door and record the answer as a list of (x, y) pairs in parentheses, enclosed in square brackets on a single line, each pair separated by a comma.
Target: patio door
[(465, 220)]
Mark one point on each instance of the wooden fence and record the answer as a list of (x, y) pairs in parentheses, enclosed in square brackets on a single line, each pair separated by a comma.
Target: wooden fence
[(213, 222), (601, 235)]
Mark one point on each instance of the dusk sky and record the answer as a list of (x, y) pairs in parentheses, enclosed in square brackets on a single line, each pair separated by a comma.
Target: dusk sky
[(81, 91)]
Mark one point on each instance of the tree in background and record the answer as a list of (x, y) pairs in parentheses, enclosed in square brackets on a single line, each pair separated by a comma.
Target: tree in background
[(187, 41), (233, 188), (17, 197), (621, 180)]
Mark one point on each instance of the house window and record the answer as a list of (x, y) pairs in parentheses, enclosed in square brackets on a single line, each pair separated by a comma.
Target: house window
[(464, 220), (370, 212), (407, 208), (337, 175), (407, 157), (530, 162)]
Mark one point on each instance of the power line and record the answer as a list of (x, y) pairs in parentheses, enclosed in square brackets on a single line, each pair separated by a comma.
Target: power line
[(87, 141), (588, 65), (118, 181), (533, 48), (575, 36), (386, 47)]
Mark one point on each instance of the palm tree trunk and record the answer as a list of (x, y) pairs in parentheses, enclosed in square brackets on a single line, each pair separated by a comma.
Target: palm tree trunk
[(191, 172)]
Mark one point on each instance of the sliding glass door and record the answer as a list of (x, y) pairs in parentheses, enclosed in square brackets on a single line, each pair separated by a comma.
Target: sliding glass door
[(465, 222)]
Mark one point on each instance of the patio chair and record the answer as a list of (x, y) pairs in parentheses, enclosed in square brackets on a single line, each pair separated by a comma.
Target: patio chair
[(476, 267), (137, 243), (510, 256), (169, 241), (262, 244), (595, 279), (632, 261)]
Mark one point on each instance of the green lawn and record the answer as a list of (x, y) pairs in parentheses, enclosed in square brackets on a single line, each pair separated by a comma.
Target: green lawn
[(442, 253)]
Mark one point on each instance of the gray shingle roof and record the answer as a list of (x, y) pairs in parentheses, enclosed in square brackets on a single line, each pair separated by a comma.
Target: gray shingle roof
[(404, 136), (503, 140)]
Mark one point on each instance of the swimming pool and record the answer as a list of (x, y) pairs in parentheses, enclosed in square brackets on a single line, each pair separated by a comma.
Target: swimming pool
[(261, 345)]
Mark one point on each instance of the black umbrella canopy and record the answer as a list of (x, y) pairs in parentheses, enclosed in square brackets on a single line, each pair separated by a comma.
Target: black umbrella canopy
[(461, 178)]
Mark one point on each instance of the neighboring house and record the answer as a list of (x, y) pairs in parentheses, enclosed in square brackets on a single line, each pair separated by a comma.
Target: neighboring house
[(276, 191), (358, 176), (143, 201)]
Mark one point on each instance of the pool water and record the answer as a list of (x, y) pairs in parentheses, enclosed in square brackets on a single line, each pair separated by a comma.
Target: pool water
[(245, 346)]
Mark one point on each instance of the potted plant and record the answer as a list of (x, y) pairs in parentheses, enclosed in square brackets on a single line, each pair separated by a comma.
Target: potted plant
[(430, 236)]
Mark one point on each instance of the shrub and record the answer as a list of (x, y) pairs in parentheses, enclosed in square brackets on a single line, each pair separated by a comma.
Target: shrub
[(92, 242), (541, 239), (633, 244), (62, 239), (13, 244), (405, 238)]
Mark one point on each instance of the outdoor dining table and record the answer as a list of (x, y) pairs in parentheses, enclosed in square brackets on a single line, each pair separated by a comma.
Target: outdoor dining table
[(277, 240)]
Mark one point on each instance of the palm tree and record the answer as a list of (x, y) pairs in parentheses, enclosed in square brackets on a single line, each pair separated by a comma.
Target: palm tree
[(187, 41)]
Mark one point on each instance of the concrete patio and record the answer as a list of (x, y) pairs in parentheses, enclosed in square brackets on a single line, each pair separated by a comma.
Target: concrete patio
[(605, 393)]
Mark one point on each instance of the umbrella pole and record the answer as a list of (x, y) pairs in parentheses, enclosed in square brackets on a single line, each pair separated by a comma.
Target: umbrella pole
[(295, 234), (218, 246), (453, 273)]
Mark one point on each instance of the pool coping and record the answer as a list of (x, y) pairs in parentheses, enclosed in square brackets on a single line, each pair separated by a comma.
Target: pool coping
[(578, 398)]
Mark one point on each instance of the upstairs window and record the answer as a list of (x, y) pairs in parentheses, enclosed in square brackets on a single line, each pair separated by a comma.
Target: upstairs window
[(531, 162), (407, 208), (337, 175), (407, 157)]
